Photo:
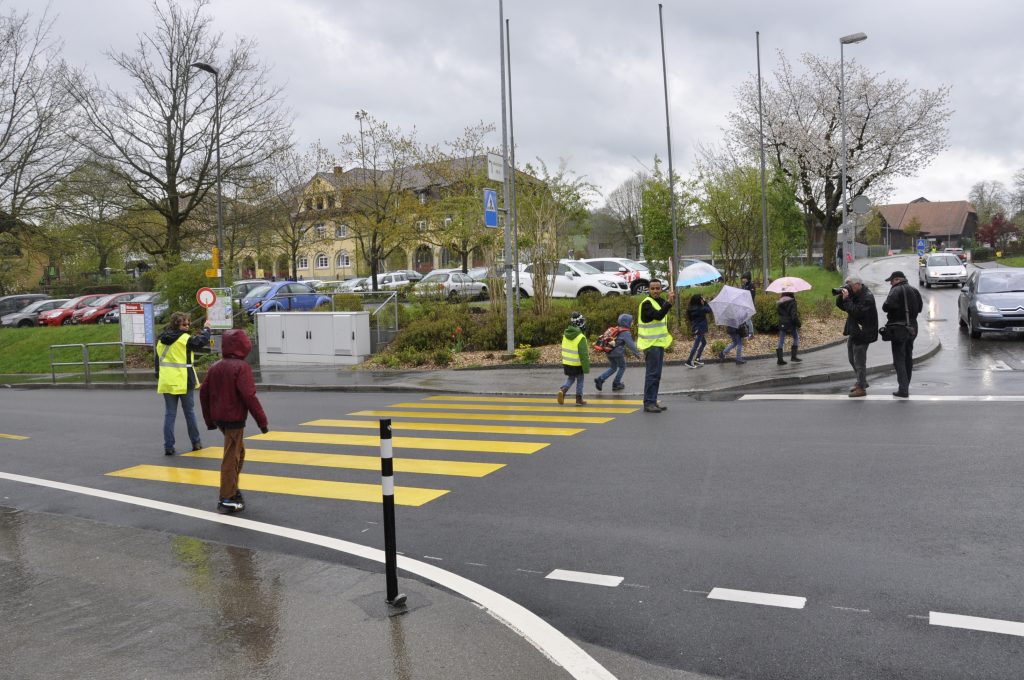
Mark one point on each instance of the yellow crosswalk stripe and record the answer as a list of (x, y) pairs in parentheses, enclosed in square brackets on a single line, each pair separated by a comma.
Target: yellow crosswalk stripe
[(15, 437), (476, 445), (316, 488), (495, 407), (404, 426), (349, 462), (533, 400), (503, 418)]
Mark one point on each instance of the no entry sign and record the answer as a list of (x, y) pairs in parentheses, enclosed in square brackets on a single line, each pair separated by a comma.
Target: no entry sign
[(206, 297)]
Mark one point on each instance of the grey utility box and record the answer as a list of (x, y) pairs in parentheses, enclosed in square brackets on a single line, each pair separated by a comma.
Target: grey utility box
[(313, 337)]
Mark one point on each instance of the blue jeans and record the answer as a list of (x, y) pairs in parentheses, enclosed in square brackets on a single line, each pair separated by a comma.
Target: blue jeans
[(614, 364), (737, 342), (795, 334), (654, 359), (699, 343), (170, 410), (570, 379)]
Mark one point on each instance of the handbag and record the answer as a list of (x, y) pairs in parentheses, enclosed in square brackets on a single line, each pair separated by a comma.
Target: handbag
[(894, 330)]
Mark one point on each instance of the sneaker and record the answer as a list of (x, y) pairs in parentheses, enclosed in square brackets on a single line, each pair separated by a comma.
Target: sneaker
[(618, 388), (721, 355), (561, 395), (226, 506), (598, 383), (741, 361), (689, 364), (238, 497), (698, 362)]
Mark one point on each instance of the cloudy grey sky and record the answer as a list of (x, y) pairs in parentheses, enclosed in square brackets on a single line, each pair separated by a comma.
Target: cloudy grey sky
[(587, 73)]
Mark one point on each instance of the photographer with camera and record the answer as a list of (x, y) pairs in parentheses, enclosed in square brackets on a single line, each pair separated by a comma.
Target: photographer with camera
[(861, 328)]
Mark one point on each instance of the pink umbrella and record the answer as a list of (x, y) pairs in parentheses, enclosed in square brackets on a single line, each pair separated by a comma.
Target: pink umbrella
[(788, 284)]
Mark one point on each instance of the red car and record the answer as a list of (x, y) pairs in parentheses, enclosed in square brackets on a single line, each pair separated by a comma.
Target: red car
[(62, 315), (95, 311)]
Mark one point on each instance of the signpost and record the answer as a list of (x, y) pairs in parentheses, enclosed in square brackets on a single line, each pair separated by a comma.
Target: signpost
[(495, 167), (137, 323), (921, 246), (217, 302), (491, 208)]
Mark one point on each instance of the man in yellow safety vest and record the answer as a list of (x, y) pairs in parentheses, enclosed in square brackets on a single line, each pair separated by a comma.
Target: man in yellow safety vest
[(176, 376), (653, 338)]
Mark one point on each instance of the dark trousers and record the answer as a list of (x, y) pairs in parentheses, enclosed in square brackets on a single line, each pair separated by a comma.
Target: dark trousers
[(699, 343), (858, 355), (231, 465), (654, 359), (903, 362)]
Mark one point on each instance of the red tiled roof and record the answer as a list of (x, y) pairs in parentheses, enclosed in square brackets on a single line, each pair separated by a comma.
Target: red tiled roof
[(935, 217)]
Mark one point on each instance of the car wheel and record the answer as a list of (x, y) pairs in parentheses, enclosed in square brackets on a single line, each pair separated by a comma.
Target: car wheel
[(483, 293), (587, 292), (640, 288), (523, 295), (453, 297), (963, 324), (66, 321), (926, 283), (25, 324), (973, 324)]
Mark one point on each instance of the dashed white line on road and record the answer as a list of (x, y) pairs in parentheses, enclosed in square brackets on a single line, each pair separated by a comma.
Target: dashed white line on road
[(585, 577), (1000, 366), (431, 557), (699, 592), (976, 623), (852, 609), (530, 571), (476, 564), (751, 597)]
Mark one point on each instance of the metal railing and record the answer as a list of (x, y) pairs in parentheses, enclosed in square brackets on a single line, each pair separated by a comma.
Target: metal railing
[(87, 363)]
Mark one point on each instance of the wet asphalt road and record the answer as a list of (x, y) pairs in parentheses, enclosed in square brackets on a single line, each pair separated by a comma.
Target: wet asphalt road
[(877, 513)]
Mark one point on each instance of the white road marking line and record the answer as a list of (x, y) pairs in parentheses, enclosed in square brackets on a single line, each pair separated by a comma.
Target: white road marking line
[(976, 623), (698, 592), (634, 585), (530, 571), (852, 609), (1000, 366), (476, 564), (751, 597), (547, 639), (431, 557), (883, 397), (915, 616), (585, 577)]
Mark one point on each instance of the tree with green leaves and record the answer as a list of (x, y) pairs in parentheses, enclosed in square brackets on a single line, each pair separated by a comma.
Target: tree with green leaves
[(656, 215), (913, 228)]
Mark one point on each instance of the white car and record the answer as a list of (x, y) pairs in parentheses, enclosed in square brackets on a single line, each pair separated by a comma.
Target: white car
[(389, 281), (573, 278), (632, 272), (942, 269), (450, 285)]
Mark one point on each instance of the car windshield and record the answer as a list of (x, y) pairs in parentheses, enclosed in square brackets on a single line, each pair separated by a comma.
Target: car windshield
[(103, 301), (435, 277), (944, 261), (1001, 282), (258, 291), (70, 304), (584, 268), (145, 297), (34, 306)]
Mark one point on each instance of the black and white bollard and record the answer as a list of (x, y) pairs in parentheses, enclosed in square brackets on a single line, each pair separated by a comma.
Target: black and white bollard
[(387, 482)]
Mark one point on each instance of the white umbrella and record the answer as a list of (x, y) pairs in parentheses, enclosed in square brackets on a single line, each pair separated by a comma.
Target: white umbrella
[(788, 284), (696, 274), (732, 307)]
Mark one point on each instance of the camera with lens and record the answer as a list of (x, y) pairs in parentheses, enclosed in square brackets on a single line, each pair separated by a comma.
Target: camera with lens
[(839, 291)]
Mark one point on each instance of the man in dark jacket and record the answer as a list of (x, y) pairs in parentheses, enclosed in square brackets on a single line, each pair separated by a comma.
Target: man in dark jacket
[(901, 308), (747, 284), (861, 328), (228, 395)]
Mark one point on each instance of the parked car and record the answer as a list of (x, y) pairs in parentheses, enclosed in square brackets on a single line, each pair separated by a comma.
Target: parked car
[(29, 315), (282, 296), (942, 269), (573, 278), (392, 280), (240, 288), (159, 308), (15, 303), (61, 316), (992, 301), (632, 272), (959, 252), (451, 285), (352, 285), (96, 309)]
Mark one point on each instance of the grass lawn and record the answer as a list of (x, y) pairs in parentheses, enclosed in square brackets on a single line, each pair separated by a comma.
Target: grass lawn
[(27, 350), (1017, 261)]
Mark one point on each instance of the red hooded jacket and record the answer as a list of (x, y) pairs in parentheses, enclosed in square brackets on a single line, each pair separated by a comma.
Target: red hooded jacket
[(228, 392)]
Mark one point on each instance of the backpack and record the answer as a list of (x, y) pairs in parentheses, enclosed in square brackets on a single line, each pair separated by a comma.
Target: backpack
[(606, 343)]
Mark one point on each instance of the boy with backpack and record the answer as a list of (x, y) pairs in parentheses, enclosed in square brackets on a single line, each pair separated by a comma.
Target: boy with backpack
[(228, 395), (575, 362), (615, 341)]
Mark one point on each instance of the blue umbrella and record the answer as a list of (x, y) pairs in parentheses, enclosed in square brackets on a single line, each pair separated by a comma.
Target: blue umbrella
[(696, 274)]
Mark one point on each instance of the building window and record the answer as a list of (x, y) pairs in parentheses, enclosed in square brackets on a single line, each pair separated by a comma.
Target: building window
[(320, 203), (343, 260), (341, 231), (330, 201), (447, 222), (321, 231), (423, 198), (421, 225), (321, 261), (303, 262)]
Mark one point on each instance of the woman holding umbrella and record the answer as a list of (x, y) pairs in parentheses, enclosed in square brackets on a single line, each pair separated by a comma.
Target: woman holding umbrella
[(789, 314)]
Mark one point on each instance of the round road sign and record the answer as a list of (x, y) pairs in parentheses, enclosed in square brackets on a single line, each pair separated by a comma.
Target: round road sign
[(206, 297)]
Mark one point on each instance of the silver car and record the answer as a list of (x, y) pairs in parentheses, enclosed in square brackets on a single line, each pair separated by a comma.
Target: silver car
[(451, 285), (942, 269), (992, 301), (29, 316)]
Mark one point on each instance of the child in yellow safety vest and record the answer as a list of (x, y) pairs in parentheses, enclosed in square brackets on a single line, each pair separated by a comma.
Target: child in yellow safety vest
[(575, 360)]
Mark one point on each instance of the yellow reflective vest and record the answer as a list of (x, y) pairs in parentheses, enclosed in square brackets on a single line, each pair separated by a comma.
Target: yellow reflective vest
[(571, 350), (653, 333), (174, 366)]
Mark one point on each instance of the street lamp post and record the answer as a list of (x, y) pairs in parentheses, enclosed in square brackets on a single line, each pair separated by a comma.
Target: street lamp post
[(216, 134), (851, 39)]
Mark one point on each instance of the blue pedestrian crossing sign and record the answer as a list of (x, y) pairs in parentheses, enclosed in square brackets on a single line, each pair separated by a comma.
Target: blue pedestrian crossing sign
[(921, 245), (490, 207)]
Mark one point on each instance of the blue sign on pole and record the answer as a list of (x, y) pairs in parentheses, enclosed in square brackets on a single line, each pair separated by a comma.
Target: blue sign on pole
[(490, 208), (921, 245)]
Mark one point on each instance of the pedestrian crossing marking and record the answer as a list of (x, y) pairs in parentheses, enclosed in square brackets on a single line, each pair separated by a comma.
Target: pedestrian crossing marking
[(495, 407), (295, 486), (504, 418), (531, 400), (350, 462), (476, 445), (15, 437), (402, 426)]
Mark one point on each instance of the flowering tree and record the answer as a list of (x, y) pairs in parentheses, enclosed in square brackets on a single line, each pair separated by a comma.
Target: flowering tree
[(999, 232), (892, 131)]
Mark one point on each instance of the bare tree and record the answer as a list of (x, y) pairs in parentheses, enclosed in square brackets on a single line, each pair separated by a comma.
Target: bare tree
[(624, 204), (36, 113), (892, 131), (159, 137)]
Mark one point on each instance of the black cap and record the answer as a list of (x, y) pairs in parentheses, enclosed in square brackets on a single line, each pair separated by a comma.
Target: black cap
[(896, 275)]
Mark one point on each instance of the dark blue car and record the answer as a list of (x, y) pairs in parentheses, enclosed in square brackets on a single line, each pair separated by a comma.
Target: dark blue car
[(283, 296)]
